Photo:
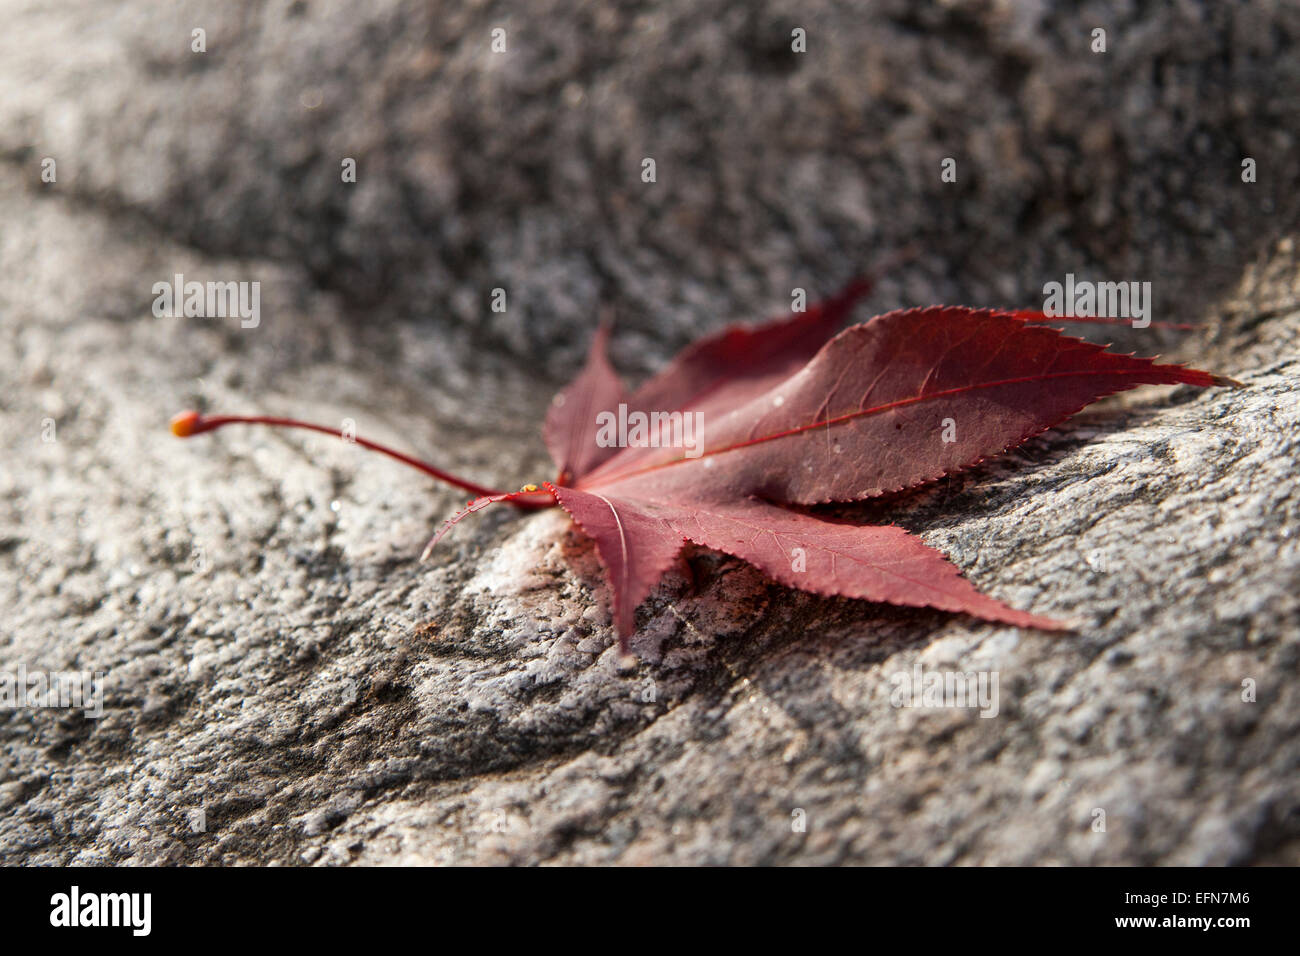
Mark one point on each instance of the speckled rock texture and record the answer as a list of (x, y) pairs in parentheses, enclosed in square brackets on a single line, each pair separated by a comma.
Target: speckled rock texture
[(283, 683)]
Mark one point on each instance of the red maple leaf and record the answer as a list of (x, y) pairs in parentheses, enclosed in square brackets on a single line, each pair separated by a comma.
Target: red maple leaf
[(737, 440)]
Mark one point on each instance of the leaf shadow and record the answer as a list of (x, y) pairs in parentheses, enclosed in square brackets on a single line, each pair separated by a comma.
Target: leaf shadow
[(991, 485)]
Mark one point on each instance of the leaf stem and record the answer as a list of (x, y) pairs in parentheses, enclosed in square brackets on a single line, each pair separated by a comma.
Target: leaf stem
[(191, 423)]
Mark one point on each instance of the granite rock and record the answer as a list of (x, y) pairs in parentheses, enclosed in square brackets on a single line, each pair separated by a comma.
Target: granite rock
[(283, 683)]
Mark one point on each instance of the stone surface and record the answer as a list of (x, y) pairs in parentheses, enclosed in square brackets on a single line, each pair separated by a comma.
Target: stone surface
[(285, 684)]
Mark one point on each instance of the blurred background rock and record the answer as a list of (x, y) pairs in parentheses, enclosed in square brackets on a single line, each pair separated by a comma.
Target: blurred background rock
[(775, 169)]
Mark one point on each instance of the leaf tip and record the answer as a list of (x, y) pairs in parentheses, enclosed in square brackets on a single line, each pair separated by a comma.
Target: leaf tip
[(1038, 622)]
